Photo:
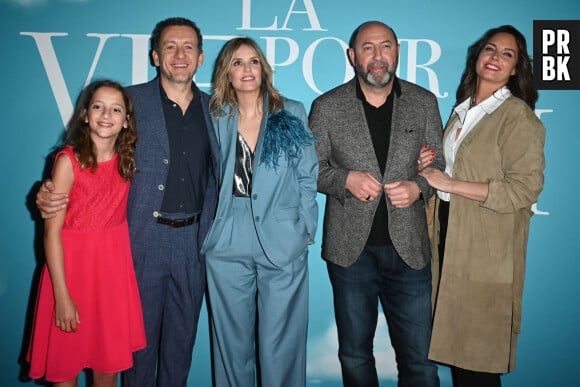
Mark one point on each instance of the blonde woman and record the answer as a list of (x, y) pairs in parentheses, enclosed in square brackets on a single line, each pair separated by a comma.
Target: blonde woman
[(257, 248)]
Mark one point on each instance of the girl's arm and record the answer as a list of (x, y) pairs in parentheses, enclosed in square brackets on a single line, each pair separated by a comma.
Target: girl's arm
[(66, 313), (48, 201)]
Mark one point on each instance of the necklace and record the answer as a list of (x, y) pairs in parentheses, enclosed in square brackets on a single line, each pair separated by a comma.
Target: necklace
[(472, 102)]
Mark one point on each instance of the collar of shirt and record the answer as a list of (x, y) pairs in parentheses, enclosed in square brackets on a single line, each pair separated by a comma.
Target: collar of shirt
[(165, 98), (488, 105), (468, 119)]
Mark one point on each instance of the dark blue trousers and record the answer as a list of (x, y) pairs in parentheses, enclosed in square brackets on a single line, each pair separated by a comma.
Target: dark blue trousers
[(171, 281), (380, 274)]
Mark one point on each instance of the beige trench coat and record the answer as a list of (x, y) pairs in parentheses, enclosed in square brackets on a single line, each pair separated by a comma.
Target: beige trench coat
[(478, 305)]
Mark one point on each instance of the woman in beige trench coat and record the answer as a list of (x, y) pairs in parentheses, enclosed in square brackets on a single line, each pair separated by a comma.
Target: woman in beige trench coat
[(493, 147)]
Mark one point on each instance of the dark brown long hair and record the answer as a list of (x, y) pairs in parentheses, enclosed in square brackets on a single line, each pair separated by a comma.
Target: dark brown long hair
[(520, 84), (78, 131)]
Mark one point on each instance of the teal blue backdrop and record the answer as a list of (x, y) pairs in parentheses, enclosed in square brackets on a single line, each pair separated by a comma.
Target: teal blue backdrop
[(52, 48)]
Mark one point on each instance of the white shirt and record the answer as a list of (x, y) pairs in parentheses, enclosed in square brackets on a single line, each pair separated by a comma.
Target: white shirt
[(467, 119)]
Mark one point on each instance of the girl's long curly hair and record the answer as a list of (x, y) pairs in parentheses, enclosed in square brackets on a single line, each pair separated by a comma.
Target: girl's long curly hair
[(521, 84), (78, 131)]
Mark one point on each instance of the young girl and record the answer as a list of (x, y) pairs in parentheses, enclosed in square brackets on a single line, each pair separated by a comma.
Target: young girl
[(89, 312)]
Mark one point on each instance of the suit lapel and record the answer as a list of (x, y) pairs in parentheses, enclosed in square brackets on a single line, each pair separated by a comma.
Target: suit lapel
[(396, 128), (261, 135), (156, 116), (401, 143), (360, 134), (215, 151), (227, 131)]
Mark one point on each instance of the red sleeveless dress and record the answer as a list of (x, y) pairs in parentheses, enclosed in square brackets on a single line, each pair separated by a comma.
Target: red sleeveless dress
[(101, 281)]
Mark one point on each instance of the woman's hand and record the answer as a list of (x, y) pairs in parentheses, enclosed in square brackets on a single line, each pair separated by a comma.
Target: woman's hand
[(426, 157), (437, 179)]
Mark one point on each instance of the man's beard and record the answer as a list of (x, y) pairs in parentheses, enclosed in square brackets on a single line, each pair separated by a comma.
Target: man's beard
[(376, 80)]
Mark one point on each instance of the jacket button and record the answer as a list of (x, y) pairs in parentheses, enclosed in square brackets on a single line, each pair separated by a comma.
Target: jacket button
[(254, 196), (257, 218), (161, 187), (156, 214), (165, 161)]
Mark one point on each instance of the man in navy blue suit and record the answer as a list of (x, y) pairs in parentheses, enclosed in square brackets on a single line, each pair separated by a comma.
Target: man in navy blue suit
[(171, 203)]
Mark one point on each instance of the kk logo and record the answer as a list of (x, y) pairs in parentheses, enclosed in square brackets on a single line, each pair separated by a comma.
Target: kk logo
[(557, 54)]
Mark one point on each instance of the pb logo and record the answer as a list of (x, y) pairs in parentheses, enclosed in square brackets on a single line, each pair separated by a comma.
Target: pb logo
[(557, 54)]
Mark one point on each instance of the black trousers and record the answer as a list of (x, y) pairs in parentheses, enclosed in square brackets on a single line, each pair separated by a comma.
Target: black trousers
[(443, 216), (468, 378)]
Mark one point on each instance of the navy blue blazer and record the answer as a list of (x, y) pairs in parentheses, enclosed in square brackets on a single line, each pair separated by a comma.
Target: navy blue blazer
[(284, 208), (153, 159)]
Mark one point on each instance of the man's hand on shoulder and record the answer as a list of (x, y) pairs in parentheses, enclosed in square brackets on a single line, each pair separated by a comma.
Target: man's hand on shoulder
[(49, 202)]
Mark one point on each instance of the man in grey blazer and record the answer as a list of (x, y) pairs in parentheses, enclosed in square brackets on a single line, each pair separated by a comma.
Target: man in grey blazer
[(375, 240)]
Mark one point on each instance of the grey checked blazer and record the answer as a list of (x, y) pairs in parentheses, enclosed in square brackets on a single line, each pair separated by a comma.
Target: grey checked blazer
[(344, 144)]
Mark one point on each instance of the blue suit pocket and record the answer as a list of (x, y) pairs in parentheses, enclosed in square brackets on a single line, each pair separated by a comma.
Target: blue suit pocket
[(290, 223), (284, 214), (219, 237)]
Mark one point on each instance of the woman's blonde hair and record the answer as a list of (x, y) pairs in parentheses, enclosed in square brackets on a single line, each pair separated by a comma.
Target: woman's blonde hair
[(223, 92)]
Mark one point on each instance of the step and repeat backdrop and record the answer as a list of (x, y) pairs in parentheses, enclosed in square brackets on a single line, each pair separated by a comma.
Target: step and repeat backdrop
[(52, 48)]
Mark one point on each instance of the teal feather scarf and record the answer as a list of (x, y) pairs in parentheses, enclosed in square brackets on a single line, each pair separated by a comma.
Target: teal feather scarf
[(285, 134)]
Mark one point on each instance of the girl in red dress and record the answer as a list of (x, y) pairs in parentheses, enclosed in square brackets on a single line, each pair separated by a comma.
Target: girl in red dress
[(89, 312)]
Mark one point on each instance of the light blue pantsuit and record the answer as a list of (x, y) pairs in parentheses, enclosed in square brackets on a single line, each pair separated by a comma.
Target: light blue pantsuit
[(243, 284), (257, 257)]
